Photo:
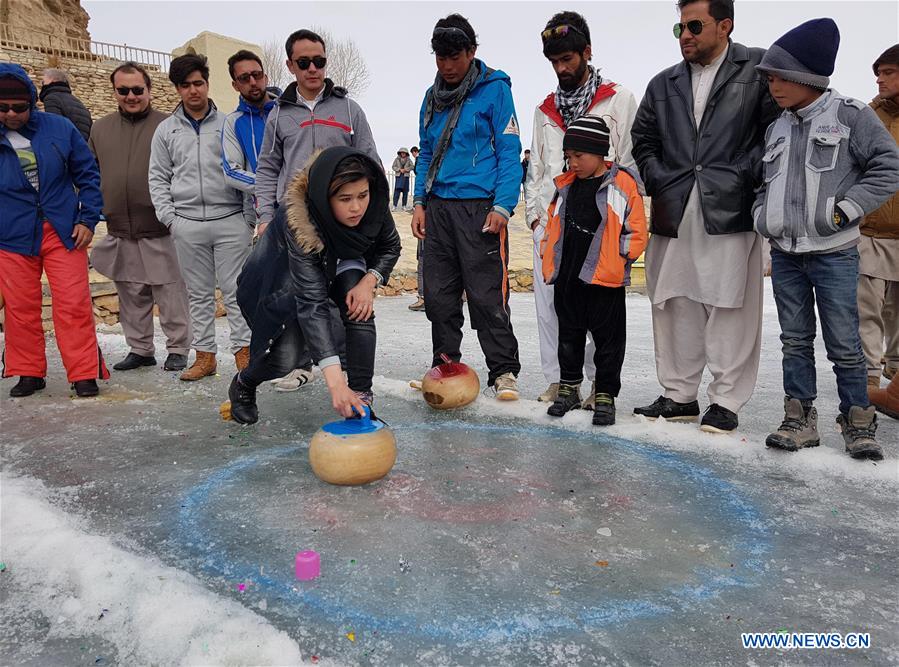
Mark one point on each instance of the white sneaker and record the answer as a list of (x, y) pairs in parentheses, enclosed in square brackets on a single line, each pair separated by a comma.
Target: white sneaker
[(293, 380), (551, 394), (506, 387)]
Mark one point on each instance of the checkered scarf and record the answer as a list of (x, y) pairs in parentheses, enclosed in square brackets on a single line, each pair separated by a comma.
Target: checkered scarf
[(573, 104)]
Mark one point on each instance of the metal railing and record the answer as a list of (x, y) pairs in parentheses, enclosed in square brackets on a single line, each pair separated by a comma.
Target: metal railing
[(74, 48)]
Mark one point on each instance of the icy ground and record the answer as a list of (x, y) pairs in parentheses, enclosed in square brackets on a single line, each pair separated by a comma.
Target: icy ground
[(138, 528)]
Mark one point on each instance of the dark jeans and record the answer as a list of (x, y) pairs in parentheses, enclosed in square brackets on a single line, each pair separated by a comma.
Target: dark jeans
[(601, 311), (459, 256), (396, 194), (289, 350), (831, 281)]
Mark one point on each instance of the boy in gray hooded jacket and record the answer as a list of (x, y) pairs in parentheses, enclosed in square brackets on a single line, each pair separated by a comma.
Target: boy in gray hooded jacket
[(828, 161)]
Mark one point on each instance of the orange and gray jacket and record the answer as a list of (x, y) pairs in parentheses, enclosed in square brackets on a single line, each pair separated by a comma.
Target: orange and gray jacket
[(884, 222), (620, 237)]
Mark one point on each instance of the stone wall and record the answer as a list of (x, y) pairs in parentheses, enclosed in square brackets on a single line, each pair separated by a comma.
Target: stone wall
[(90, 79)]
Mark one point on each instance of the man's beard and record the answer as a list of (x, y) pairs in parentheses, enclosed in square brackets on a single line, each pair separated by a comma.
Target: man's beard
[(570, 83), (255, 98)]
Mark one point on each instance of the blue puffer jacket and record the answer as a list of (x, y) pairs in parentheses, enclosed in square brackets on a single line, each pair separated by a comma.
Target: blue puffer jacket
[(69, 180), (483, 157)]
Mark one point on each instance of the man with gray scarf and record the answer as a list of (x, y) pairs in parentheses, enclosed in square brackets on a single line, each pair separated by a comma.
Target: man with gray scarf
[(467, 180)]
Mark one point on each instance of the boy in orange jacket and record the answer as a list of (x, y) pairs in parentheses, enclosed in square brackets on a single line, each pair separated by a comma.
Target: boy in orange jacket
[(596, 230)]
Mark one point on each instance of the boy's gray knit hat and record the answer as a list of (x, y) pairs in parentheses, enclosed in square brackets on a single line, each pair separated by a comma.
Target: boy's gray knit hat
[(806, 54)]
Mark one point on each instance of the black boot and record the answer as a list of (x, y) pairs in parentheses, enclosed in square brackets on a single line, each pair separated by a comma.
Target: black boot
[(243, 402), (568, 399), (26, 386), (133, 361), (604, 410), (175, 362), (86, 388)]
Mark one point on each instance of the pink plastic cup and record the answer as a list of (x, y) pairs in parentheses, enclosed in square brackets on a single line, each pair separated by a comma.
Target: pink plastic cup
[(308, 565)]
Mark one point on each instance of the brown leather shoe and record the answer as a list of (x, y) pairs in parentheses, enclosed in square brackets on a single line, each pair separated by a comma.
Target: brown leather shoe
[(242, 358), (886, 400), (203, 366), (873, 382)]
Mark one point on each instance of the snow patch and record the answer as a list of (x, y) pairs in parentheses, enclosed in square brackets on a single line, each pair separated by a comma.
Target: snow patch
[(152, 613)]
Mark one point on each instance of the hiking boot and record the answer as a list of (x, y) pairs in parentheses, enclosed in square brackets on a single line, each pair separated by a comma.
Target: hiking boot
[(551, 393), (887, 400), (242, 358), (26, 386), (133, 361), (243, 402), (670, 410), (590, 400), (567, 399), (799, 428), (873, 382), (86, 388), (718, 419), (890, 370), (203, 366), (603, 410), (506, 387), (418, 306), (294, 380), (858, 433), (175, 362)]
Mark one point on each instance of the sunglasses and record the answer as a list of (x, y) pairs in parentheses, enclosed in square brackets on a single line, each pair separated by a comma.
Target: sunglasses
[(318, 61), (559, 31), (20, 107), (256, 75), (694, 27), (134, 90)]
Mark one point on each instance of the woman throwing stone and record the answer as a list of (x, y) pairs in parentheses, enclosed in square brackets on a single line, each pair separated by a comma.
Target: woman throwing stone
[(310, 282)]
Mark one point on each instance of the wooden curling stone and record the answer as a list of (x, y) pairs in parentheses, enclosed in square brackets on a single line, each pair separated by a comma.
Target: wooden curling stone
[(353, 451), (450, 385)]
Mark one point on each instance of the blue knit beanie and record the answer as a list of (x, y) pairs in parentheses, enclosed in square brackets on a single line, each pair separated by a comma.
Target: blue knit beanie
[(804, 55)]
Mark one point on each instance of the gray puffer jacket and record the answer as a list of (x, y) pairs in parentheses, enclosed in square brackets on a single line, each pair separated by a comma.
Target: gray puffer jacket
[(186, 177), (834, 153)]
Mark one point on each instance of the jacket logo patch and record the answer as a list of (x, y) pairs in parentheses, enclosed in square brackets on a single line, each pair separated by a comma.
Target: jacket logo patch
[(831, 130), (512, 127)]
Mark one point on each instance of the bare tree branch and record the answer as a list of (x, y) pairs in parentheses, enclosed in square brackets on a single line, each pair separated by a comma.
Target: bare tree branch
[(346, 66), (273, 63)]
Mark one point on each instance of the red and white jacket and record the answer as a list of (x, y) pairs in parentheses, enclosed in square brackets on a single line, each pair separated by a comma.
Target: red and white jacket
[(613, 103)]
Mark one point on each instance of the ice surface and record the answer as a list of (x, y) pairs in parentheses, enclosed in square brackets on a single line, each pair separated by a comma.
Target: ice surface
[(501, 536)]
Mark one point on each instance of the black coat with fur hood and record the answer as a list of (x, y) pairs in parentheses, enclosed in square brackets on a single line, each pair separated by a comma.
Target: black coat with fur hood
[(286, 274)]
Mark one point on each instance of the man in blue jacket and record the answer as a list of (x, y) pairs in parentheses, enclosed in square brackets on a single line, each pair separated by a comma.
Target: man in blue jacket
[(245, 127), (467, 179), (50, 202)]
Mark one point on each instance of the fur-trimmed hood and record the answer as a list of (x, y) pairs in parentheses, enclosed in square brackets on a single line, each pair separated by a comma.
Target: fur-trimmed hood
[(298, 220)]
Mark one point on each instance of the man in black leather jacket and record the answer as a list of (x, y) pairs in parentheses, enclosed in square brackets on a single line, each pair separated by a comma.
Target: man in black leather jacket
[(698, 139)]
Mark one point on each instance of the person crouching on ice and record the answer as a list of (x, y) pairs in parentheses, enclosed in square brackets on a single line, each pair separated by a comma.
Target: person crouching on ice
[(596, 230), (331, 244)]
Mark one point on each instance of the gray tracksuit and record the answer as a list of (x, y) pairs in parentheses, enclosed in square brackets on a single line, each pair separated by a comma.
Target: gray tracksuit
[(835, 152), (206, 217), (293, 132)]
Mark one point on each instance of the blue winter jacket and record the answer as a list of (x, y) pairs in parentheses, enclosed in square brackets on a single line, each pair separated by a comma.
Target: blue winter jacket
[(242, 142), (69, 180), (483, 157)]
